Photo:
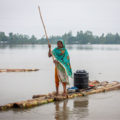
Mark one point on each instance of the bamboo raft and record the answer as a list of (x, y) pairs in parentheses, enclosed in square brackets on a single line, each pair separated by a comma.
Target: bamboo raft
[(50, 97), (17, 70)]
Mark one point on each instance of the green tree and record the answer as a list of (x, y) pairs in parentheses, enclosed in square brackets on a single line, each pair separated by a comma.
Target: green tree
[(3, 38), (33, 39), (82, 38), (117, 38)]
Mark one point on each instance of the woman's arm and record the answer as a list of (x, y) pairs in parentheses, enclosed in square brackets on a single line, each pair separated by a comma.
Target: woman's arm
[(49, 54), (55, 61)]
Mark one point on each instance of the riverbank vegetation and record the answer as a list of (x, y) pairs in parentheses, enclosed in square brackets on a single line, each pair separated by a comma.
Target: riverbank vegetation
[(80, 38)]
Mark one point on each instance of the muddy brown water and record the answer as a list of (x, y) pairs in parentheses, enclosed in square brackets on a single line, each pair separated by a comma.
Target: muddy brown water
[(101, 61)]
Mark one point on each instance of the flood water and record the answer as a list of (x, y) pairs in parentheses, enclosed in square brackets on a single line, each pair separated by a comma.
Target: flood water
[(102, 62)]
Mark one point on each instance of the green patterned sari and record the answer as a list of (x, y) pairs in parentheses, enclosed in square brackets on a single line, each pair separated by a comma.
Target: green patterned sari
[(62, 56)]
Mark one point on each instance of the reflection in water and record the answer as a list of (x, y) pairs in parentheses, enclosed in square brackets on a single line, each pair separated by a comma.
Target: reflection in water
[(93, 47), (69, 47), (3, 46), (62, 112), (80, 109), (79, 47), (13, 46)]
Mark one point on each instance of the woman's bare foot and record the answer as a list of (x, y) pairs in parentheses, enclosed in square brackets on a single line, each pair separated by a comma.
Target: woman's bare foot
[(56, 93), (63, 94)]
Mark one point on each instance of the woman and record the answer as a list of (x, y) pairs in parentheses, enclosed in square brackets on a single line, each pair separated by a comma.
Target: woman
[(62, 65)]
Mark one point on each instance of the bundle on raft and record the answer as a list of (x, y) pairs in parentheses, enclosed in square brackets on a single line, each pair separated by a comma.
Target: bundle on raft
[(17, 70), (50, 97)]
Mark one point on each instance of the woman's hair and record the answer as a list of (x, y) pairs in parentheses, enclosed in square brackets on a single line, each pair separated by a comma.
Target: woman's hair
[(59, 41)]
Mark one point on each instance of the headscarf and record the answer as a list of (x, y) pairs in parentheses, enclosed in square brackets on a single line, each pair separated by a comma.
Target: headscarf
[(62, 56)]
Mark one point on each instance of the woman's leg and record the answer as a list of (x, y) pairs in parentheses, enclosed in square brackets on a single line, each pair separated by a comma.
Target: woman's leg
[(64, 88), (56, 80)]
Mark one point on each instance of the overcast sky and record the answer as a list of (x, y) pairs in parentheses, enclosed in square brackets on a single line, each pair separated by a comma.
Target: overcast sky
[(59, 16)]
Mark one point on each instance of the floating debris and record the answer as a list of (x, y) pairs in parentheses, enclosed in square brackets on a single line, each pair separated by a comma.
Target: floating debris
[(17, 70)]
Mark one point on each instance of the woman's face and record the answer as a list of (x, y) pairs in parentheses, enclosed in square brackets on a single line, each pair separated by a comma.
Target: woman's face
[(59, 44)]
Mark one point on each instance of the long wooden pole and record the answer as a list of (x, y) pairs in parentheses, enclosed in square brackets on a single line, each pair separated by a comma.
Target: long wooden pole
[(47, 37), (43, 25), (45, 30)]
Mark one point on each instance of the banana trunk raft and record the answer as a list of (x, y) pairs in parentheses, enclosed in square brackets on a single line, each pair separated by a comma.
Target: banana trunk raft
[(17, 70), (50, 97)]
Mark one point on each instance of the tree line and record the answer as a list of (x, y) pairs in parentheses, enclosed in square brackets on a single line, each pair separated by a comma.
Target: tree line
[(80, 38)]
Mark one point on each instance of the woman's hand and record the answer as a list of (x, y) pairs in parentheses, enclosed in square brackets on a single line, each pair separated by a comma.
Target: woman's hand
[(49, 45), (55, 61), (49, 52)]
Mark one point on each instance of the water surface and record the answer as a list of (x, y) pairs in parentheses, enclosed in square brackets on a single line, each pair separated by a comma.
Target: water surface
[(101, 61)]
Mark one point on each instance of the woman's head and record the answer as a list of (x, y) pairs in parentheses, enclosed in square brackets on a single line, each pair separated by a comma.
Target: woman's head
[(60, 44)]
